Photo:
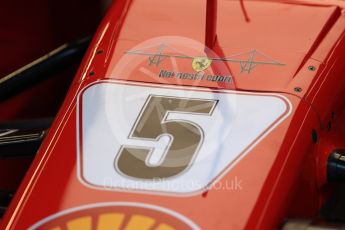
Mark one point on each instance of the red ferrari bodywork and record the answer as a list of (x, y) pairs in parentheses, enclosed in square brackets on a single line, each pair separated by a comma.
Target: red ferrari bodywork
[(282, 176)]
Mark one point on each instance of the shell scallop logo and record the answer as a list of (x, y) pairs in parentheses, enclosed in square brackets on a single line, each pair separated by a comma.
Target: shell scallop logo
[(116, 216)]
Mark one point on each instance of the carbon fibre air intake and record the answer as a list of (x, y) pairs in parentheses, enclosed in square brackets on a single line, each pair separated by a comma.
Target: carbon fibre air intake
[(5, 199), (336, 166), (22, 138), (42, 68)]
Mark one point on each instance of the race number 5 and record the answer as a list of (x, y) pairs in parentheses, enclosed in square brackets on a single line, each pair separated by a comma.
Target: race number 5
[(185, 137), (168, 139)]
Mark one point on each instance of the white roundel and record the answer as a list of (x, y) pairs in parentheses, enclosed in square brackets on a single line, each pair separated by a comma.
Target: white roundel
[(168, 139)]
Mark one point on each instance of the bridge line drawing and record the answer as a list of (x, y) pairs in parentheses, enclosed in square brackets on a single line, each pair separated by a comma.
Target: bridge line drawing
[(248, 61)]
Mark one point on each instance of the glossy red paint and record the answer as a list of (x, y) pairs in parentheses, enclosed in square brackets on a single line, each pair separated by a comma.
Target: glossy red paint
[(305, 37)]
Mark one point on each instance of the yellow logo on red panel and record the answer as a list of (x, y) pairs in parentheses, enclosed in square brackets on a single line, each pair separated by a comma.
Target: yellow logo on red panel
[(201, 63), (116, 216)]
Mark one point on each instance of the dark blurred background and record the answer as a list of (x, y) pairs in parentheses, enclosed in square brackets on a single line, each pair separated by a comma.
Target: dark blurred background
[(29, 30)]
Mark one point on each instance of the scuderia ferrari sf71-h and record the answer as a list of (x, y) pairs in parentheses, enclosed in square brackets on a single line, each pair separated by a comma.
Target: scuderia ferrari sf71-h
[(198, 114)]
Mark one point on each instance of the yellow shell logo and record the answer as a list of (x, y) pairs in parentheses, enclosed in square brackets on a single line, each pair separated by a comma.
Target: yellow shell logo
[(201, 63), (116, 216)]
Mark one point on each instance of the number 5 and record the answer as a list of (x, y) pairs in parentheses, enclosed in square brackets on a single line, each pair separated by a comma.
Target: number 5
[(186, 137)]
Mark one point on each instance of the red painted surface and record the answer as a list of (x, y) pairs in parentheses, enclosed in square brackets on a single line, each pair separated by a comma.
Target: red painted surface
[(297, 35)]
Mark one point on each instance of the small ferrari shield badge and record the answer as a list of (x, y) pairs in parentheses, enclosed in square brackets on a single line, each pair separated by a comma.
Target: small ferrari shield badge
[(201, 63)]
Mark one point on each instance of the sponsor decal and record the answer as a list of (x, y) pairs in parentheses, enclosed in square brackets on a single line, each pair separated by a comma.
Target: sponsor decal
[(248, 61), (199, 76), (116, 216), (181, 61)]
